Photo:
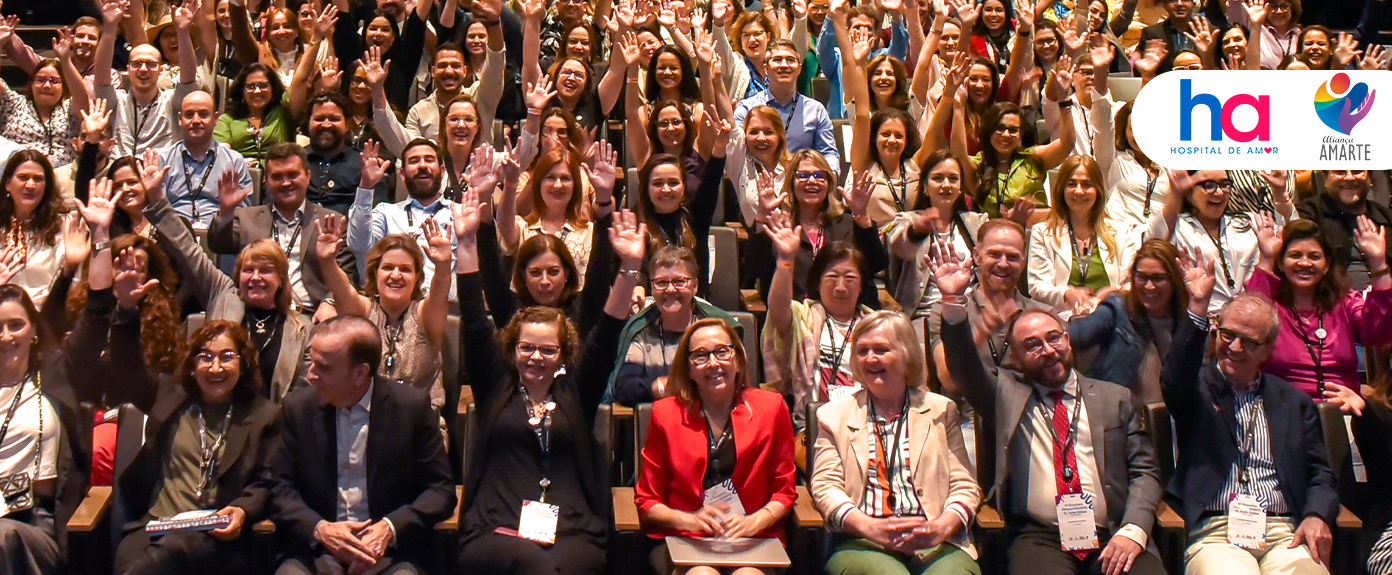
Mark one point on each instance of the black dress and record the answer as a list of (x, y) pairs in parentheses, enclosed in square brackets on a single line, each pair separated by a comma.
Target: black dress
[(506, 462)]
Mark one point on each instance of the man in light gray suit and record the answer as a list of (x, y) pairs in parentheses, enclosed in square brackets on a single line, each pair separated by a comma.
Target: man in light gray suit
[(288, 219), (1055, 455)]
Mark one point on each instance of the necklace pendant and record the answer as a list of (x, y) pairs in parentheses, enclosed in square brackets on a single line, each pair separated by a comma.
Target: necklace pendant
[(1068, 474), (534, 420), (391, 363), (550, 406), (544, 483), (1320, 333)]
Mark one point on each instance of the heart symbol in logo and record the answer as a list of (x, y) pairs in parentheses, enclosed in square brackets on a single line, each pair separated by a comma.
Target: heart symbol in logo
[(1268, 150)]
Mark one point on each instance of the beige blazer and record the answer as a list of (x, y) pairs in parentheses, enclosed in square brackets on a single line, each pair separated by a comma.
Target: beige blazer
[(939, 465)]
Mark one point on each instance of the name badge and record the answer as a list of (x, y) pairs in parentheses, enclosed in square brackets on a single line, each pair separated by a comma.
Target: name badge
[(839, 391), (1246, 522), (1077, 522), (723, 493), (538, 522)]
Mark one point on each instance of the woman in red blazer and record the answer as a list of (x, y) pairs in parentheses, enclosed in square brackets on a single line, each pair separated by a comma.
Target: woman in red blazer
[(716, 448)]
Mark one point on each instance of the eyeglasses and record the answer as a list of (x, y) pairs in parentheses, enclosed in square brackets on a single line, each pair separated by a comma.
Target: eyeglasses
[(703, 356), (259, 87), (1035, 346), (1278, 7), (1189, 67), (546, 351), (570, 74), (1215, 185), (752, 34), (144, 65), (783, 61), (206, 359), (42, 81), (1141, 279), (1074, 185), (1227, 337), (1356, 174), (819, 175), (1008, 130), (670, 123), (673, 283)]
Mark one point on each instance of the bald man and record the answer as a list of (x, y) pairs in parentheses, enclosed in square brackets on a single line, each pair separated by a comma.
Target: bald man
[(144, 116), (198, 165)]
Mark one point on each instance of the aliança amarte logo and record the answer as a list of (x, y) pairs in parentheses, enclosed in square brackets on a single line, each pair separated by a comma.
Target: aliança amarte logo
[(1341, 105)]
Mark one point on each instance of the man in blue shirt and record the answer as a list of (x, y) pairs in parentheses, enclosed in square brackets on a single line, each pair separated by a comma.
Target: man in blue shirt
[(198, 163), (805, 121)]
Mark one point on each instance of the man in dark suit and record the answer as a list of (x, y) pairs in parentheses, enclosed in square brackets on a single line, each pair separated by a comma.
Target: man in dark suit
[(1277, 474), (287, 219), (362, 476), (1172, 30), (1064, 440), (1336, 210)]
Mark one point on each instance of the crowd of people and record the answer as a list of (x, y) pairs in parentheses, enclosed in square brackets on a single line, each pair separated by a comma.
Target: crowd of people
[(256, 251)]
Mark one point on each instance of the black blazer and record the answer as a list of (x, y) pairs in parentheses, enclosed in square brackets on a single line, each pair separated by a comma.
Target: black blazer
[(1371, 431), (1323, 210), (760, 259), (251, 438), (1201, 402), (253, 223), (1172, 37), (408, 476)]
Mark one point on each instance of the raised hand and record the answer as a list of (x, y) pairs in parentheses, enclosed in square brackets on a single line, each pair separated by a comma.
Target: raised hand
[(770, 198), (230, 194), (705, 47), (721, 126), (858, 194), (800, 9), (1101, 52), (1346, 50), (374, 166), (131, 281), (1375, 58), (1061, 81), (1155, 52), (720, 11), (77, 244), (1268, 236), (602, 167), (967, 12), (100, 206), (1025, 23), (891, 5), (1198, 274), (330, 75), (95, 119), (438, 247), (183, 16), (951, 274), (540, 94), (1201, 34), (957, 74), (532, 9), (467, 215), (8, 23), (324, 22), (786, 237), (862, 43), (373, 67), (1021, 211), (667, 17), (629, 239), (1256, 13), (328, 235), (62, 43), (480, 173), (1371, 240), (152, 176), (112, 11), (12, 262), (839, 8), (508, 168), (627, 48)]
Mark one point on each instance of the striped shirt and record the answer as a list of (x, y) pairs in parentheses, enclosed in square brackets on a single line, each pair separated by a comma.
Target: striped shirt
[(1255, 458), (887, 472)]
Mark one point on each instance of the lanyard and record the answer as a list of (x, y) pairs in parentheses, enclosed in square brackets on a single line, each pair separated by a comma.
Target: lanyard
[(1149, 193), (457, 185), (429, 214), (208, 456), (141, 113), (830, 328), (1066, 444), (903, 186), (540, 422), (892, 454), (817, 241), (1247, 442), (1222, 256), (202, 184), (1002, 184), (1312, 345), (14, 406), (298, 225), (1083, 259), (990, 341)]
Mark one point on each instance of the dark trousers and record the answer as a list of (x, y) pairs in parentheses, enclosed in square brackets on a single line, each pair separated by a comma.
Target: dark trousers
[(330, 565), (494, 554), (26, 549), (193, 552), (1037, 552)]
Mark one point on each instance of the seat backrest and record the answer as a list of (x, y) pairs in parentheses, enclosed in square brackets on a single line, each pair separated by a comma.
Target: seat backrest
[(256, 176), (841, 130), (724, 285), (750, 325), (642, 416), (985, 454), (1123, 88), (631, 189), (810, 436), (1162, 435), (821, 89), (449, 351), (193, 322)]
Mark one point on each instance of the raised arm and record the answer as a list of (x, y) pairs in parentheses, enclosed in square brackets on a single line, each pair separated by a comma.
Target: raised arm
[(923, 65), (1055, 152), (855, 90), (434, 309), (112, 11), (329, 232), (72, 78), (713, 91), (1022, 53), (188, 58), (952, 276), (244, 45), (532, 13), (1180, 376), (301, 87)]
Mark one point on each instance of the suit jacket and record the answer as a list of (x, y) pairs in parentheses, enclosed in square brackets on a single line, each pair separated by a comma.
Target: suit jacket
[(942, 474), (408, 475), (1200, 400), (1323, 210), (253, 223), (219, 295), (1124, 456), (1167, 32), (675, 457)]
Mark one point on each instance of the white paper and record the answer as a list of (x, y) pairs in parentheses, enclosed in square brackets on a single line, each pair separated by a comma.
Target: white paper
[(1077, 522), (1246, 522), (195, 514), (839, 391), (538, 522), (722, 493)]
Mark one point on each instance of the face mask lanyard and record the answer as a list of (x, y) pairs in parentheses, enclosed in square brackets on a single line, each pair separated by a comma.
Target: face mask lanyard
[(1150, 193), (539, 419)]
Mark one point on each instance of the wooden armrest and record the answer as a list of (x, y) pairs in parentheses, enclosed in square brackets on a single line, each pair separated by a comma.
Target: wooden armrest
[(264, 527), (622, 411), (625, 510), (452, 524), (466, 399), (1167, 517), (741, 234), (988, 518), (90, 511), (751, 301), (1347, 520), (806, 512)]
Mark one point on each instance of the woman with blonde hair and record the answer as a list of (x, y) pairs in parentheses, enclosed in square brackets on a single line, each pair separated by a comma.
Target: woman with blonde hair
[(559, 207), (911, 504), (1074, 253), (758, 148), (717, 434)]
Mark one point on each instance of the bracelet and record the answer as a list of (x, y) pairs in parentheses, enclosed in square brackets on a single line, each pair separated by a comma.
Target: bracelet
[(1024, 33), (1066, 104), (99, 246), (631, 273), (954, 299)]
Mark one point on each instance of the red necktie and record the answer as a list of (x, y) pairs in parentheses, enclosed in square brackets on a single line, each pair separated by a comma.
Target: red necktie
[(1064, 457)]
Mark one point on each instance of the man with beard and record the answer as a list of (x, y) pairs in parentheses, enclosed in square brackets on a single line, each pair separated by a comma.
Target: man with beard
[(807, 123), (286, 219), (144, 116), (334, 166), (87, 32), (201, 167), (1336, 211), (368, 224), (1077, 481), (449, 72), (1251, 477)]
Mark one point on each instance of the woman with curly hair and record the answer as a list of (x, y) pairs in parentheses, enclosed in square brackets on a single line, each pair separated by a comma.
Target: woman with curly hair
[(31, 219)]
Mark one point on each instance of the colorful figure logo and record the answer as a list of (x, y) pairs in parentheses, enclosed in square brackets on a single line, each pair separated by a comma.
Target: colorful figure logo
[(1341, 107)]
